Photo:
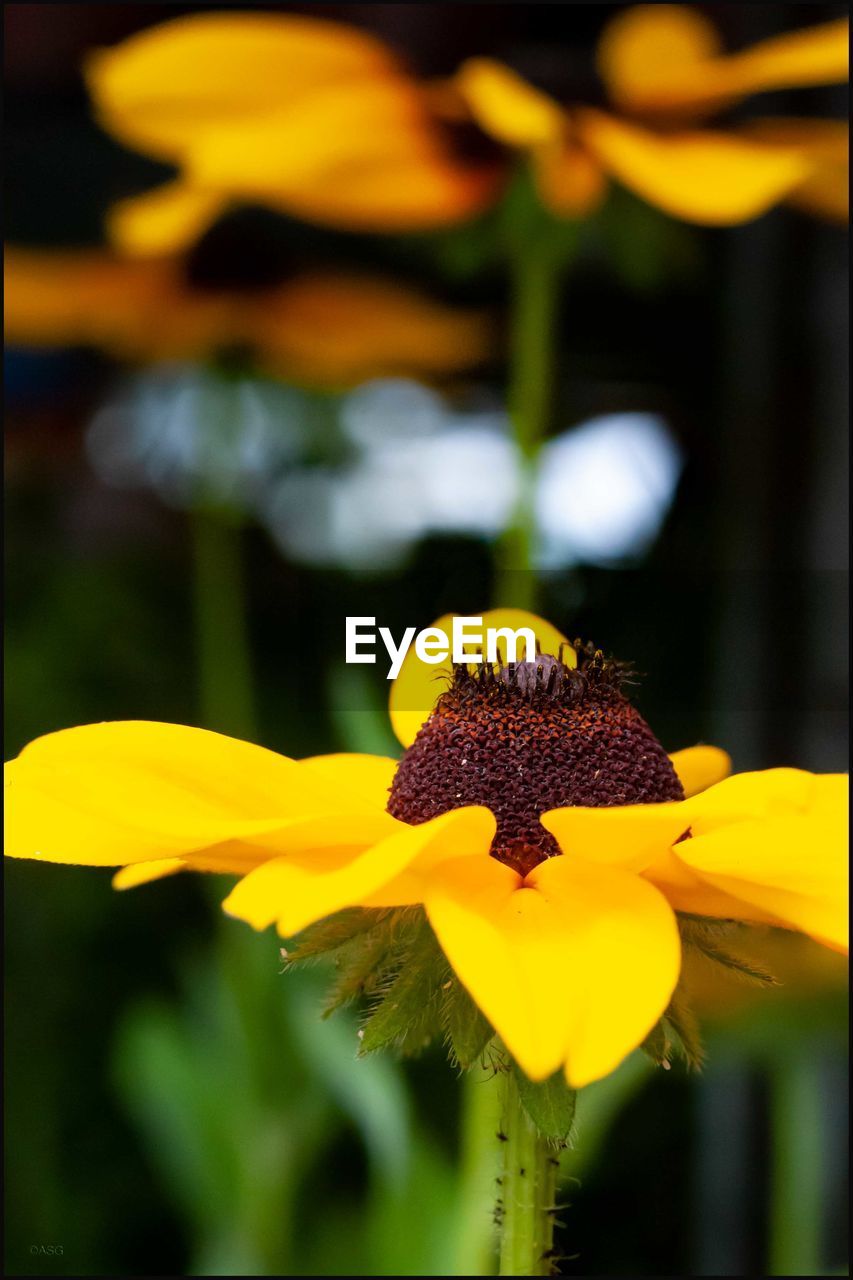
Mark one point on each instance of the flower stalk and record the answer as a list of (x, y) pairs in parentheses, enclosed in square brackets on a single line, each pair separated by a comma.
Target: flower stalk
[(527, 1189), (226, 700), (538, 249)]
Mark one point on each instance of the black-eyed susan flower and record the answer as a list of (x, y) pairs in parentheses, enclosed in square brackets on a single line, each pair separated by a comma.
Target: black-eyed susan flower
[(324, 328), (664, 71), (534, 817), (323, 122)]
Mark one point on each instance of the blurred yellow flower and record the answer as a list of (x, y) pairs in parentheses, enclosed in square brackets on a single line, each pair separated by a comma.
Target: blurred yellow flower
[(314, 328), (321, 121), (312, 118), (664, 71), (533, 815)]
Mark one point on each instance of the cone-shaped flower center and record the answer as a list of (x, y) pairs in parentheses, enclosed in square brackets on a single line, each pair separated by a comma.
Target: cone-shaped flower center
[(526, 738)]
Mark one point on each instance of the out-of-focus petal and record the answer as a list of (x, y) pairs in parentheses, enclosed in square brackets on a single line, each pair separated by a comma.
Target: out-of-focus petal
[(133, 791), (569, 180), (343, 329), (162, 88), (667, 58), (700, 767), (628, 836), (371, 158), (710, 178), (296, 890), (647, 49), (572, 967), (826, 191), (132, 310), (506, 107), (166, 220), (71, 298), (419, 684)]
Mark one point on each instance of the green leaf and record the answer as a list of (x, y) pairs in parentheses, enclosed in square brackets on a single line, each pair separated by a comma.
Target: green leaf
[(334, 932), (363, 965), (407, 1013), (550, 1104), (468, 1032), (739, 966), (681, 1019), (657, 1045)]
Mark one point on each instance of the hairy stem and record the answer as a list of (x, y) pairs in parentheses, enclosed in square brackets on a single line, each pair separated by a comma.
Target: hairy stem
[(527, 1190)]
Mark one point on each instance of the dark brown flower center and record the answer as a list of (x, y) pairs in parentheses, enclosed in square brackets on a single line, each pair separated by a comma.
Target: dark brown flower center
[(527, 738)]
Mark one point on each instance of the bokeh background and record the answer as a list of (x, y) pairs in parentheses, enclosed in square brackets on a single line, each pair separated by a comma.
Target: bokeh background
[(174, 1104)]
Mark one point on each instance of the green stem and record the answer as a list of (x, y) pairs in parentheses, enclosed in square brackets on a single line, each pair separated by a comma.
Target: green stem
[(535, 297), (527, 1190), (226, 698)]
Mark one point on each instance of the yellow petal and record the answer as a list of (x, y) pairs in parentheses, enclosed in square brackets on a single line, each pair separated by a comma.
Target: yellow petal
[(235, 857), (793, 868), (369, 157), (700, 767), (573, 966), (167, 220), (685, 891), (506, 107), (144, 872), (628, 836), (765, 793), (646, 48), (826, 191), (419, 684), (342, 329), (710, 178), (368, 777), (667, 58), (131, 791), (297, 890), (162, 88)]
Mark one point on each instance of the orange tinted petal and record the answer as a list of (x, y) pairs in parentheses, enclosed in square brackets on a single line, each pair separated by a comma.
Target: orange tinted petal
[(665, 57), (826, 191), (369, 157), (704, 177), (164, 87), (569, 180), (505, 106), (166, 220), (343, 329)]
